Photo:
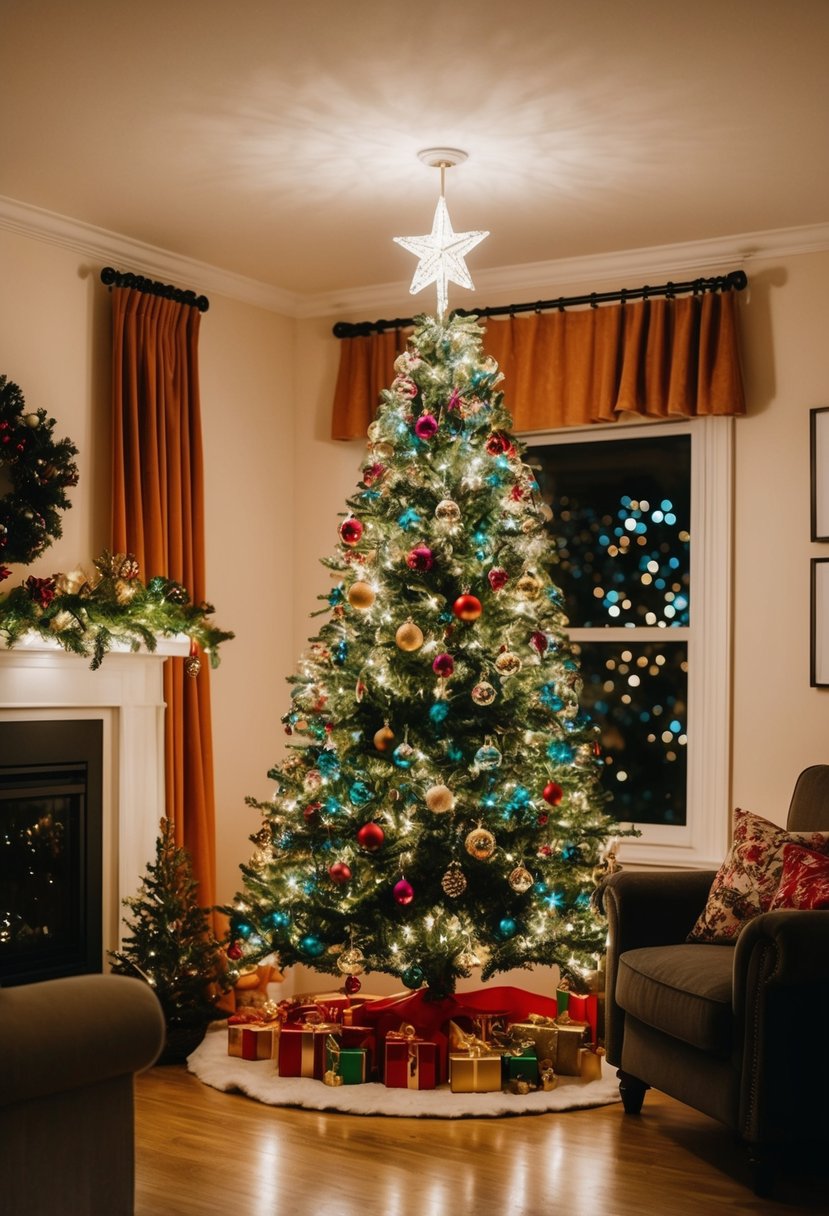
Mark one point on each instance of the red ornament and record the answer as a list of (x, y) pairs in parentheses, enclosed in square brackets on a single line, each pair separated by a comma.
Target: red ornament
[(339, 872), (467, 607), (372, 473), (426, 426), (350, 531), (497, 443), (553, 793), (42, 590), (352, 984), (497, 578), (403, 892), (234, 951), (370, 837), (545, 851), (539, 641), (421, 559), (443, 666), (311, 813), (542, 819)]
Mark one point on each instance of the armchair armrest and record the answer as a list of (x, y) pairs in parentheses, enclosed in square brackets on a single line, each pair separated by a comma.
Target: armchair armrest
[(66, 1034), (782, 949)]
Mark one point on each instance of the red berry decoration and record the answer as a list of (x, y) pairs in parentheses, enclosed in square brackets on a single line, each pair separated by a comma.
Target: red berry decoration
[(467, 607), (370, 837), (403, 892), (421, 559), (351, 984), (339, 872), (497, 578), (426, 426), (553, 793), (350, 531), (443, 666)]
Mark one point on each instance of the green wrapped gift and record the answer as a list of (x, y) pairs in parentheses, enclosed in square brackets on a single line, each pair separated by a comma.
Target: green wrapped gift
[(523, 1067), (347, 1062)]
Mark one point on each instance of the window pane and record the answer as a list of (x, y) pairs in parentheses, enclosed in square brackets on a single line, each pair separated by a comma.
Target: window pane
[(637, 693), (621, 527)]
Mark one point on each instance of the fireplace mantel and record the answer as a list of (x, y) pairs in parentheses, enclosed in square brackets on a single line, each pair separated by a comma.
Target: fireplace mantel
[(41, 681)]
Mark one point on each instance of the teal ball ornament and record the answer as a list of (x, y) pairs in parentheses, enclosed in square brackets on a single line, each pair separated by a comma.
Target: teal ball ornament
[(507, 928), (412, 977), (311, 946)]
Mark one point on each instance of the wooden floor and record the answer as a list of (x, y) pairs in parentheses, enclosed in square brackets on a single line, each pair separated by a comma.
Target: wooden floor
[(200, 1152)]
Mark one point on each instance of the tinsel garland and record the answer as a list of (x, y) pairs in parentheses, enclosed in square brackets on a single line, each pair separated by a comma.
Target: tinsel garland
[(87, 614)]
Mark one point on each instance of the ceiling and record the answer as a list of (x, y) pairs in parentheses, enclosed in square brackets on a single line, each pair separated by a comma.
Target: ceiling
[(278, 140)]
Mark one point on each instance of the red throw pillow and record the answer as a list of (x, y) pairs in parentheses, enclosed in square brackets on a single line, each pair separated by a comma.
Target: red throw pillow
[(749, 877), (805, 880)]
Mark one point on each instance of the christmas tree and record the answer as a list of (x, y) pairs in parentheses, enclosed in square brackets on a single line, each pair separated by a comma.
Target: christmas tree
[(443, 807), (170, 944)]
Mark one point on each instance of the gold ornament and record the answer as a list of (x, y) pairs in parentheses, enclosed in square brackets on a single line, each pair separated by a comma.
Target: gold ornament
[(409, 636), (528, 586), (507, 664), (31, 420), (384, 738), (440, 799), (454, 880), (332, 1078), (447, 511), (351, 961), (483, 693), (382, 450), (480, 844), (361, 595), (192, 665), (520, 879)]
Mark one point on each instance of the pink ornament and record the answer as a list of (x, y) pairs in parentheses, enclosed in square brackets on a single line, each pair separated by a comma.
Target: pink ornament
[(443, 666), (426, 426), (372, 473), (539, 641), (403, 892), (421, 559), (497, 577), (350, 531)]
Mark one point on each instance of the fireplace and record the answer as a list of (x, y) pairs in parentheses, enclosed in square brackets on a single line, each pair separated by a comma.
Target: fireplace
[(51, 789)]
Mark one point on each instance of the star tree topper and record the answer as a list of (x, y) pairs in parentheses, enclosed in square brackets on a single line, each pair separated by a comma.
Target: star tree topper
[(441, 253)]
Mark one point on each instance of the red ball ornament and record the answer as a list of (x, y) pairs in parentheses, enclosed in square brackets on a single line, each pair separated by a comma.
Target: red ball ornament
[(497, 443), (403, 892), (339, 872), (351, 984), (426, 426), (443, 666), (421, 559), (235, 951), (497, 578), (350, 531), (539, 641), (467, 607), (311, 813), (553, 793), (370, 837)]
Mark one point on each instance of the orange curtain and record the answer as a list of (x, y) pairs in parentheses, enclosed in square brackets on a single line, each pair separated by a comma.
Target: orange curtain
[(660, 358), (158, 515)]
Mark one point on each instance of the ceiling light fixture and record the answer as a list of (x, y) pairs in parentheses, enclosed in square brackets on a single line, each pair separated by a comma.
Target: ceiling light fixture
[(442, 251)]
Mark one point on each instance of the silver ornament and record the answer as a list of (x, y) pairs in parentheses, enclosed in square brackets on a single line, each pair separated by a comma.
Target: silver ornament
[(352, 961)]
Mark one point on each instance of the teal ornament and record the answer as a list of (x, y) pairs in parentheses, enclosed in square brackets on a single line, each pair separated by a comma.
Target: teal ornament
[(402, 755), (328, 763), (507, 928), (311, 946), (488, 756), (560, 752), (360, 793), (339, 654), (439, 712), (243, 929), (335, 595), (279, 920), (409, 520), (412, 977)]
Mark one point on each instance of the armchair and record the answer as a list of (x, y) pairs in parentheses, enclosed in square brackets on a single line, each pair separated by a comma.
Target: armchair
[(730, 1030)]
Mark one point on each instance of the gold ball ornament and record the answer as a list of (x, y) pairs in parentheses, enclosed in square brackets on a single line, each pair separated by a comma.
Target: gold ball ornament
[(507, 664), (440, 799), (31, 420), (382, 450), (454, 880), (483, 693), (352, 961), (361, 595), (409, 637), (384, 738), (528, 586), (480, 844), (520, 879), (447, 511)]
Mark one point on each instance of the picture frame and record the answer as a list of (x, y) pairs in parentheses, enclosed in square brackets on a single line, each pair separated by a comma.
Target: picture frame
[(819, 461), (819, 650)]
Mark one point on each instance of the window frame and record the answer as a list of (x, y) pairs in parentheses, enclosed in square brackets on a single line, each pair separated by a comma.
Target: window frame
[(701, 842)]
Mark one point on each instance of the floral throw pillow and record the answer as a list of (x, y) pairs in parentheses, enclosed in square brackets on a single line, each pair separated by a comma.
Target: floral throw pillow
[(804, 882), (747, 880)]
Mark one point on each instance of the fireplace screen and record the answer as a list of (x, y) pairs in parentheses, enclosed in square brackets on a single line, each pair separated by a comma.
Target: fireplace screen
[(50, 849)]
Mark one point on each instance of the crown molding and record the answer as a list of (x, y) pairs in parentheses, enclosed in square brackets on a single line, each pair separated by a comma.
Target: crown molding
[(533, 279), (109, 248)]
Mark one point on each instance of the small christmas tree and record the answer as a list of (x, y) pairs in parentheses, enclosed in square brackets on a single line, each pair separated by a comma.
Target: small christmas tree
[(171, 945), (444, 808)]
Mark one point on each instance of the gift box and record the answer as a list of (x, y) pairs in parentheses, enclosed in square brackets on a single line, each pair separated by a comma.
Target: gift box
[(474, 1074), (347, 1062), (591, 1064), (585, 1008), (523, 1067), (362, 1037), (301, 1050), (410, 1062), (252, 1040), (570, 1038), (541, 1032), (562, 999)]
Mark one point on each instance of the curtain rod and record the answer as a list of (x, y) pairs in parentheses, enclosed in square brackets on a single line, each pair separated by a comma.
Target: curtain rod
[(118, 278), (735, 280)]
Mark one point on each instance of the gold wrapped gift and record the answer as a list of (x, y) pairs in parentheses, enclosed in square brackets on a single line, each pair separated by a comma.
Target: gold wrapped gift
[(542, 1032), (570, 1038), (474, 1074)]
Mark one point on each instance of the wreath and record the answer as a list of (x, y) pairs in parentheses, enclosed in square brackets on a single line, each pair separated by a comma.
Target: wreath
[(38, 470)]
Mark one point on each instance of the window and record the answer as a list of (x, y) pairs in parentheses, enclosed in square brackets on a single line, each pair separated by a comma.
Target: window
[(642, 524)]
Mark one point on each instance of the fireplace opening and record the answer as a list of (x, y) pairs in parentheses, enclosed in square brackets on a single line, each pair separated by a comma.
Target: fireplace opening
[(50, 849)]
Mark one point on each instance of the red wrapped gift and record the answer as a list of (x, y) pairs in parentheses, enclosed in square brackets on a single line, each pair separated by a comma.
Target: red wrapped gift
[(361, 1036), (253, 1040), (585, 1009), (411, 1063), (302, 1049)]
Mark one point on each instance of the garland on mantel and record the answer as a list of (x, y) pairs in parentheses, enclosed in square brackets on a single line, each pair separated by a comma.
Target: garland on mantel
[(87, 613)]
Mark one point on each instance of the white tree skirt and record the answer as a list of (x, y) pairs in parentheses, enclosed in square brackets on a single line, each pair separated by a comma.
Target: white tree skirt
[(258, 1079)]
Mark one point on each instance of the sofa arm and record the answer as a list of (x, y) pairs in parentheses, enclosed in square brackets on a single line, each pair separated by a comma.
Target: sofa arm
[(786, 948), (66, 1034)]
